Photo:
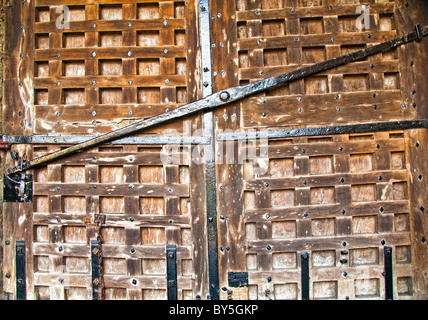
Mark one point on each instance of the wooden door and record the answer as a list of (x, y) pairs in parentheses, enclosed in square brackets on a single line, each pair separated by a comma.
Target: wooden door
[(75, 70), (184, 210), (337, 216)]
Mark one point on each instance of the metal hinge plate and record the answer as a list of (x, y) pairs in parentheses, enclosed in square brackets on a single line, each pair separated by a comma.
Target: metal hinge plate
[(18, 187), (238, 279)]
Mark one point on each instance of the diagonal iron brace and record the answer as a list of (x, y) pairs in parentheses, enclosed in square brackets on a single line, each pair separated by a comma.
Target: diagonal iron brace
[(226, 96)]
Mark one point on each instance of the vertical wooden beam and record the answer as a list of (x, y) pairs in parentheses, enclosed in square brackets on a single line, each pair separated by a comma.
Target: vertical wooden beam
[(224, 52), (17, 103), (196, 169), (417, 167), (413, 69)]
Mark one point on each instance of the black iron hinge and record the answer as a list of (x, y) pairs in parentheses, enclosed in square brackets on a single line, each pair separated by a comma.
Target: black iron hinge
[(21, 286), (18, 187), (238, 279)]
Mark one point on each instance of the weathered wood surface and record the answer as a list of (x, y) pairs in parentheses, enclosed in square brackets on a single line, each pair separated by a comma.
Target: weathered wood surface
[(90, 79), (338, 196), (331, 193)]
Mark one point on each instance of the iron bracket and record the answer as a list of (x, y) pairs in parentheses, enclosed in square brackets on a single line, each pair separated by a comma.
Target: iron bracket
[(18, 187), (238, 279), (304, 258), (21, 289), (171, 271), (96, 270), (389, 292)]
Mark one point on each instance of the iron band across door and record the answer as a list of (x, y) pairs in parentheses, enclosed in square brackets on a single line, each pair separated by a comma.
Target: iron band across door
[(226, 96)]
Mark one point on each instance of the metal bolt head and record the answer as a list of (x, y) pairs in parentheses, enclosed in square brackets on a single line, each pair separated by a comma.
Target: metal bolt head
[(224, 96)]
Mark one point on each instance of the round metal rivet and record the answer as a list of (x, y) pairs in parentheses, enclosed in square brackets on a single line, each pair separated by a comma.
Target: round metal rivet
[(224, 96)]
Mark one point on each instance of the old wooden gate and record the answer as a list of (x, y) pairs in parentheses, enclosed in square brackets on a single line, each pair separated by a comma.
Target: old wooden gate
[(312, 190)]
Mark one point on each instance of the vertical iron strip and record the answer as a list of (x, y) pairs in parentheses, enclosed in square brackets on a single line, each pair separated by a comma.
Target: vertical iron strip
[(209, 150), (389, 292), (21, 289), (96, 270), (305, 275), (171, 271)]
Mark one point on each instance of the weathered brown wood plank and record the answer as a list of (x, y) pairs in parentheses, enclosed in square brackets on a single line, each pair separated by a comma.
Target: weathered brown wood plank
[(332, 148), (315, 40), (328, 243), (326, 211), (326, 180), (305, 12)]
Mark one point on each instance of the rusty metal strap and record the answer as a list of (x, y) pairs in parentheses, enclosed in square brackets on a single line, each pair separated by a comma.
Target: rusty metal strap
[(322, 131), (226, 96)]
